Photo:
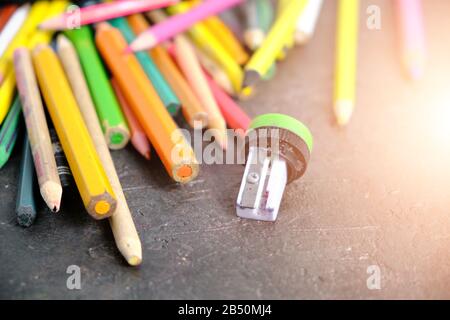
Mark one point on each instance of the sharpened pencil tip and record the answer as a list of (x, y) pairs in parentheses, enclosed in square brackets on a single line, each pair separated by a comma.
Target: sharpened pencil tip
[(343, 109)]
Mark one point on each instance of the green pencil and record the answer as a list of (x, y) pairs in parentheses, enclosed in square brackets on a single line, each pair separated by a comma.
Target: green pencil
[(111, 118), (25, 205), (9, 131), (166, 94)]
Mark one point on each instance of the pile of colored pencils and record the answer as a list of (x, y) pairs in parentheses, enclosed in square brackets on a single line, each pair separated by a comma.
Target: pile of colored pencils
[(90, 79)]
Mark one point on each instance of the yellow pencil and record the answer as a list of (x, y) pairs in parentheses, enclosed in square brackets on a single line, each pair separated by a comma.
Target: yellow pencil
[(7, 93), (37, 14), (222, 33), (290, 36), (90, 177), (346, 59), (206, 41), (265, 56)]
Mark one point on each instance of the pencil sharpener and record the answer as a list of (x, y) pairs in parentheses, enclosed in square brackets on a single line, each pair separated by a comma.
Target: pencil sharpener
[(278, 148)]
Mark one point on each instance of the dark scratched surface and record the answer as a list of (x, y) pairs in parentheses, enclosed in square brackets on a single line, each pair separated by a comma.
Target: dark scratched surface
[(376, 194)]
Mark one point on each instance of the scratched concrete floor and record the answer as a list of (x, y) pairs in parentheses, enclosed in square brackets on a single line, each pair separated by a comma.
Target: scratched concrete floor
[(376, 193)]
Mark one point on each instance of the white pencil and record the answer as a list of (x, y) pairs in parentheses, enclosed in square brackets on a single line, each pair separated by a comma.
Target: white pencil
[(306, 23), (13, 26)]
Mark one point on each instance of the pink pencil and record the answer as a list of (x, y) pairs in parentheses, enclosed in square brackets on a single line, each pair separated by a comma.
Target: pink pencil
[(234, 116), (102, 12), (411, 29), (176, 24)]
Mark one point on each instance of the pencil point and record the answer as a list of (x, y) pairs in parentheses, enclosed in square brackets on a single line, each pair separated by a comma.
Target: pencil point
[(51, 193), (254, 39), (343, 109), (131, 250), (144, 41)]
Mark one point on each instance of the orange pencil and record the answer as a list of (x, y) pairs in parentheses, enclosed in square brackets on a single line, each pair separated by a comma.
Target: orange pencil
[(169, 142), (138, 137), (191, 107)]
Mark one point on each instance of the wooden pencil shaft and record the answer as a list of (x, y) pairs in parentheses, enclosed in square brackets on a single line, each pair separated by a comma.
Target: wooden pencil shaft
[(25, 202), (89, 175), (190, 65), (108, 110), (40, 142), (154, 118), (122, 224)]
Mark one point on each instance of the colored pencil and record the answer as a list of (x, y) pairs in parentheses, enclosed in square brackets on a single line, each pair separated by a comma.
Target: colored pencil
[(216, 72), (234, 116), (189, 64), (179, 23), (6, 13), (159, 83), (346, 60), (65, 175), (109, 113), (7, 89), (265, 56), (231, 44), (289, 36), (25, 203), (170, 144), (37, 12), (104, 11), (412, 34), (121, 222), (232, 19), (191, 107), (29, 40), (266, 16), (36, 124), (91, 180), (254, 34), (12, 26), (9, 131), (206, 41), (306, 23), (138, 137)]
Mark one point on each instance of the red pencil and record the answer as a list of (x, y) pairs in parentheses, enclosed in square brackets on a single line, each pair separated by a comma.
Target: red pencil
[(6, 13), (138, 138)]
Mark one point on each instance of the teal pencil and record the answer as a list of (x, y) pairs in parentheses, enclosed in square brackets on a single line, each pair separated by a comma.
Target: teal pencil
[(25, 205), (166, 94), (9, 132), (266, 15)]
